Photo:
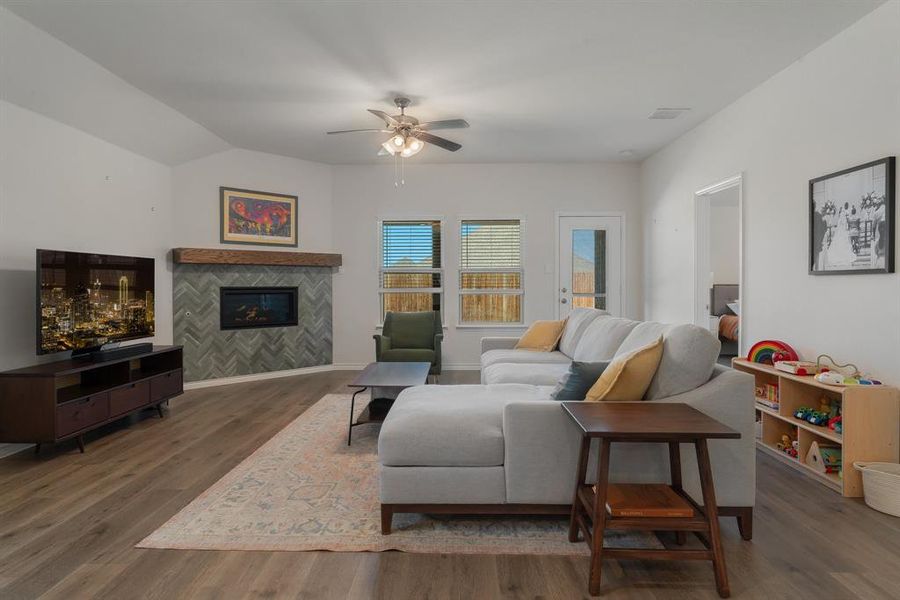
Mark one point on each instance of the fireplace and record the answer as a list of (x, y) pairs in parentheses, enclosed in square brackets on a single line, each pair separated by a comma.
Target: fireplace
[(254, 307)]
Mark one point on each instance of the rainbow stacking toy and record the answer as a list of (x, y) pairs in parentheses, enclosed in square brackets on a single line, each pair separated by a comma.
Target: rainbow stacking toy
[(768, 352)]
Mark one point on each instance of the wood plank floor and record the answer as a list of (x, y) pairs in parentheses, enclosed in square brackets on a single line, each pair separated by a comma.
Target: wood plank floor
[(69, 522)]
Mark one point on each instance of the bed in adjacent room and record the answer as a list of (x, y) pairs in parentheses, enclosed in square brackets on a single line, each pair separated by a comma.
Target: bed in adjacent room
[(725, 307)]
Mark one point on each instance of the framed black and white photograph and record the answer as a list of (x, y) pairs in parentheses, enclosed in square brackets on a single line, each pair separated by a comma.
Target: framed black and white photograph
[(851, 220)]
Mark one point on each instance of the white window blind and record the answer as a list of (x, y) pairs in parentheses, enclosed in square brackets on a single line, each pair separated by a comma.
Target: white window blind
[(410, 274), (490, 271)]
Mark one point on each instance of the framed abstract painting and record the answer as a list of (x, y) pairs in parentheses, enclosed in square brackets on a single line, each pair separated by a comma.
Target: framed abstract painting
[(262, 218), (851, 220)]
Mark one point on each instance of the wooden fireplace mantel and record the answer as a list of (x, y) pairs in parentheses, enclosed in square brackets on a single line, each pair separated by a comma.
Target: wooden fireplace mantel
[(221, 256)]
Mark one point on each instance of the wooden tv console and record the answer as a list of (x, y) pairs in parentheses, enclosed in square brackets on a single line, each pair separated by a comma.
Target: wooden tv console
[(57, 401)]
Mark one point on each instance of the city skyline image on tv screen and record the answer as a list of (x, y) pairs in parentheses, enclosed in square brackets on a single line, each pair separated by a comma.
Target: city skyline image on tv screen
[(87, 300)]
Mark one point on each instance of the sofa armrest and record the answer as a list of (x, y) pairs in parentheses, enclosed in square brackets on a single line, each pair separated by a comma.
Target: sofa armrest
[(728, 398), (541, 445), (498, 343), (382, 343)]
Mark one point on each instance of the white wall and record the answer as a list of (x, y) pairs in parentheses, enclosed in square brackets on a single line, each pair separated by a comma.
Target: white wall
[(196, 184), (837, 107), (533, 192), (63, 189), (43, 74), (724, 236)]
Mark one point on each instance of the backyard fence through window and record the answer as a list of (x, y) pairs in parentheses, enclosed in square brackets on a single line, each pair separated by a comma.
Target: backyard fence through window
[(410, 274), (490, 271)]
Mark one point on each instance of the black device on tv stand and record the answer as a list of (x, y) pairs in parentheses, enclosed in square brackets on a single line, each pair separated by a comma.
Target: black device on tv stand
[(105, 354)]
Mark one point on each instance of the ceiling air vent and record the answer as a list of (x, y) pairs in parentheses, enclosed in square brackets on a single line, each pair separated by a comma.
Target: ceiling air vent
[(667, 113)]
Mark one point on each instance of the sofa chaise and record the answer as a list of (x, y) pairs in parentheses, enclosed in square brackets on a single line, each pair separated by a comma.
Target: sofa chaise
[(506, 447)]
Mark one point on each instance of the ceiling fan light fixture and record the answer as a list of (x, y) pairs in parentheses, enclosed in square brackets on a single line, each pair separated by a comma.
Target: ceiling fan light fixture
[(412, 147), (414, 144), (408, 135)]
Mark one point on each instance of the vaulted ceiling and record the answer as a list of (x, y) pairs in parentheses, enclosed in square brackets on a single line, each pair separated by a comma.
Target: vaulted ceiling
[(538, 81)]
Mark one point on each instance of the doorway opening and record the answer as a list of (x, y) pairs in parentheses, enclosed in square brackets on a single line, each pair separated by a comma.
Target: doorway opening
[(718, 264)]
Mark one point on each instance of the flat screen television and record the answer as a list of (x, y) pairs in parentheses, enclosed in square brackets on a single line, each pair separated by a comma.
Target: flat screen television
[(87, 300)]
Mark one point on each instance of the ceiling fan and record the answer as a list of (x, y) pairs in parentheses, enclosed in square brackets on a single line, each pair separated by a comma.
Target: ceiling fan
[(410, 136)]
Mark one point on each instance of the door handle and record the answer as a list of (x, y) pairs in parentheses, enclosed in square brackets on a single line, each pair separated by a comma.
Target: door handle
[(563, 300)]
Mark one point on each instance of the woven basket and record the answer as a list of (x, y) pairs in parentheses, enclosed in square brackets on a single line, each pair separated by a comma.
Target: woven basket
[(881, 485)]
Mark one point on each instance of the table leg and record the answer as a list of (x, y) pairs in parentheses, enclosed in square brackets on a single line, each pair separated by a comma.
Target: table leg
[(352, 407), (599, 517), (675, 474), (581, 475), (712, 516)]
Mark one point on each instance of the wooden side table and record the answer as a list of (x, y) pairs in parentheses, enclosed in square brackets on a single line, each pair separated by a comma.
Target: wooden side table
[(670, 424)]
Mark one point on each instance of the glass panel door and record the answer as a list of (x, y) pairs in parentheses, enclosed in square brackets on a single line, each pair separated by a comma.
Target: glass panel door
[(589, 268), (590, 258)]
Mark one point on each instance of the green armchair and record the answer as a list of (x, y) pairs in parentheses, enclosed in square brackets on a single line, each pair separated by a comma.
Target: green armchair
[(411, 337)]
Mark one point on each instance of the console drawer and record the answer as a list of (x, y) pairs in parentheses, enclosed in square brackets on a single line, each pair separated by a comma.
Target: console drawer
[(79, 414), (165, 386), (128, 398)]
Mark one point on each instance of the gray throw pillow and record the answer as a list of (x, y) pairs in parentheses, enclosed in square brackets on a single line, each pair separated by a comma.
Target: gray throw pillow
[(575, 384)]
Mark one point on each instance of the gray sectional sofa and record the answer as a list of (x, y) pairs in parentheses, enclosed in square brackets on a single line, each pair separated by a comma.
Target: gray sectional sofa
[(505, 447)]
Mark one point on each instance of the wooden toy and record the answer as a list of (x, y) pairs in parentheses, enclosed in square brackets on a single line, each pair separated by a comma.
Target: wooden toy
[(835, 378), (766, 351), (837, 374), (830, 377), (824, 457), (796, 367)]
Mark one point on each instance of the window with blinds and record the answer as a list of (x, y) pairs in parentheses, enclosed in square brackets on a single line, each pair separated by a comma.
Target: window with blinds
[(410, 275), (490, 271)]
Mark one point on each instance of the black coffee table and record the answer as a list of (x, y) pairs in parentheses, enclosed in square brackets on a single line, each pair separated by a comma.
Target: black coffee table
[(395, 376)]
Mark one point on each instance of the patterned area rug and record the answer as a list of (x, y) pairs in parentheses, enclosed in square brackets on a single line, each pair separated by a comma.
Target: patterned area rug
[(305, 489)]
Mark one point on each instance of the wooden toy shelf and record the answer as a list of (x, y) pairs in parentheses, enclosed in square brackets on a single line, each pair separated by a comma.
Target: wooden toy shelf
[(870, 419)]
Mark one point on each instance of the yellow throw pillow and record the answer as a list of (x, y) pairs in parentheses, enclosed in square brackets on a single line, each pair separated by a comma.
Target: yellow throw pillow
[(627, 378), (542, 336)]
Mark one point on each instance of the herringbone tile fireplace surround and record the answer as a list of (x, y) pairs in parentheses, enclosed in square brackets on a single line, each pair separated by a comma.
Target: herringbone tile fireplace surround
[(210, 352)]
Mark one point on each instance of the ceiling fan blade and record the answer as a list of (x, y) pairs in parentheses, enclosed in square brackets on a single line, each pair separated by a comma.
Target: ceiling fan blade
[(446, 124), (388, 119), (438, 141), (355, 130)]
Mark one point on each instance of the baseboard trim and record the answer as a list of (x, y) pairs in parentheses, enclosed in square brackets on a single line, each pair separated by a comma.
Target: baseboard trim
[(10, 449), (205, 383)]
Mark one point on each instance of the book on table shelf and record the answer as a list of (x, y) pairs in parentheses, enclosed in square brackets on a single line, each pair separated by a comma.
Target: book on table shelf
[(646, 500), (768, 395)]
